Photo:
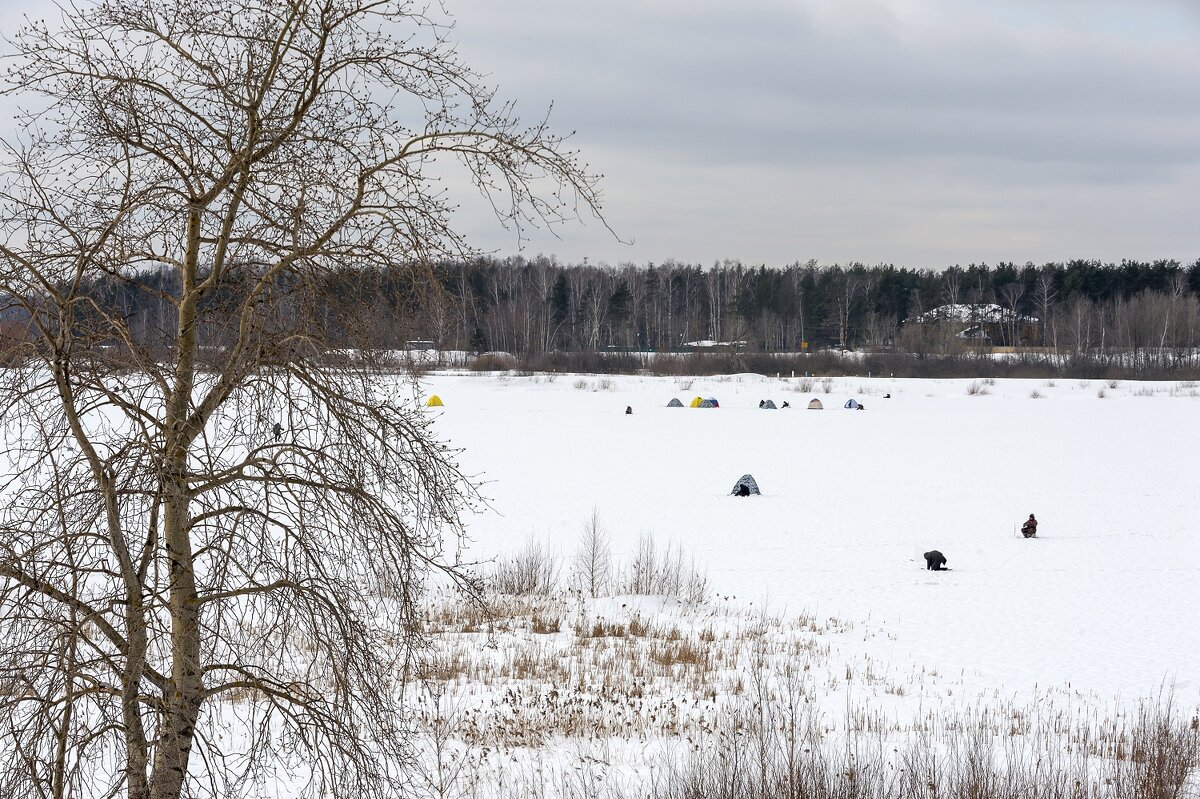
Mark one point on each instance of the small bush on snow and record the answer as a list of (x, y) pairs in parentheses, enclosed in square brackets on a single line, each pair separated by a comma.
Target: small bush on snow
[(534, 571)]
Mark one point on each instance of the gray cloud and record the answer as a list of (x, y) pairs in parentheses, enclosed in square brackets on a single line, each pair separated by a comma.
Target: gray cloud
[(921, 132), (924, 132)]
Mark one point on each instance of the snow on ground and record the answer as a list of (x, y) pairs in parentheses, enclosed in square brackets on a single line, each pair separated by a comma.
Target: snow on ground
[(1104, 602)]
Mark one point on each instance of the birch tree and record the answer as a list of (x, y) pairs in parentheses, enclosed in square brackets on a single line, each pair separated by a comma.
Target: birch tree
[(212, 548)]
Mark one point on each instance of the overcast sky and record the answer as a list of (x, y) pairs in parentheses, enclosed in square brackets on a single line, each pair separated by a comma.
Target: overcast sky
[(917, 132)]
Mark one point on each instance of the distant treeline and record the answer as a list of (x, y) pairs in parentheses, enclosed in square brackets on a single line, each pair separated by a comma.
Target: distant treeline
[(532, 306), (1149, 311)]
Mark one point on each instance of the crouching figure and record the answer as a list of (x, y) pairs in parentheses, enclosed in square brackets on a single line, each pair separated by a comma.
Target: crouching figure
[(935, 561)]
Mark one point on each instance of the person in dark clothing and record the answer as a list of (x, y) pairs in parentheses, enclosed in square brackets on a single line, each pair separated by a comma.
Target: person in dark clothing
[(762, 403), (787, 405), (1029, 528), (628, 410), (935, 561), (277, 430)]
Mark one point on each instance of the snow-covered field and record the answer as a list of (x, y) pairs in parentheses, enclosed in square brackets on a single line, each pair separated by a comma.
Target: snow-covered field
[(1103, 603)]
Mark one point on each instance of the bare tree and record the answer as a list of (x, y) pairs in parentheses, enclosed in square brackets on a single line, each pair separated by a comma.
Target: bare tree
[(213, 541), (592, 565), (852, 286), (1046, 294), (1012, 294)]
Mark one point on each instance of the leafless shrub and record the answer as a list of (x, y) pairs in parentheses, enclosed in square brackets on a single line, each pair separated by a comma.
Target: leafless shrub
[(493, 362), (827, 384), (655, 573), (1035, 394), (804, 385), (533, 571), (581, 385), (606, 384), (977, 389)]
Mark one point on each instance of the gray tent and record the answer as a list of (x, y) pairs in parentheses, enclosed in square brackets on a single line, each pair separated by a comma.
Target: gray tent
[(675, 403), (747, 481), (851, 404), (707, 404), (769, 405)]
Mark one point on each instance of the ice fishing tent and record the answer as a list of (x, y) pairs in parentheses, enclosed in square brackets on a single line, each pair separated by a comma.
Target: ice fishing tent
[(714, 402), (815, 405), (747, 481), (695, 403), (851, 404), (434, 402), (708, 403), (675, 403), (769, 405)]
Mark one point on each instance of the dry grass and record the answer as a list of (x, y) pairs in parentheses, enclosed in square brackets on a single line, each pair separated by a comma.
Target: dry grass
[(569, 695)]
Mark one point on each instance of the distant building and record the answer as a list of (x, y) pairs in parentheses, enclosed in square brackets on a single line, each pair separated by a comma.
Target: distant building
[(984, 323), (713, 346)]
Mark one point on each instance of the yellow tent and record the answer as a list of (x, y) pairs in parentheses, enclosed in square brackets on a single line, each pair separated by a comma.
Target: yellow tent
[(696, 402), (434, 402)]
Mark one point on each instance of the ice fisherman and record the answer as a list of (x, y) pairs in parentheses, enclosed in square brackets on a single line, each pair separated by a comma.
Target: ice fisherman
[(935, 561), (1029, 528), (277, 430)]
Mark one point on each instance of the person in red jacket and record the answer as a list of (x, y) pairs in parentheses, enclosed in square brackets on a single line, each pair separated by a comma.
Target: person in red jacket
[(1029, 528)]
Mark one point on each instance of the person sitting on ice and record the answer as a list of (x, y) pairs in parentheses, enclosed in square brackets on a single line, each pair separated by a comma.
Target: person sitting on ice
[(1029, 528)]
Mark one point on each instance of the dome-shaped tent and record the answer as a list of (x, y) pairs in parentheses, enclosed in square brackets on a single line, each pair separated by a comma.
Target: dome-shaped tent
[(815, 405), (434, 402), (769, 405), (695, 403), (707, 403), (675, 403), (714, 402), (851, 404), (745, 486)]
